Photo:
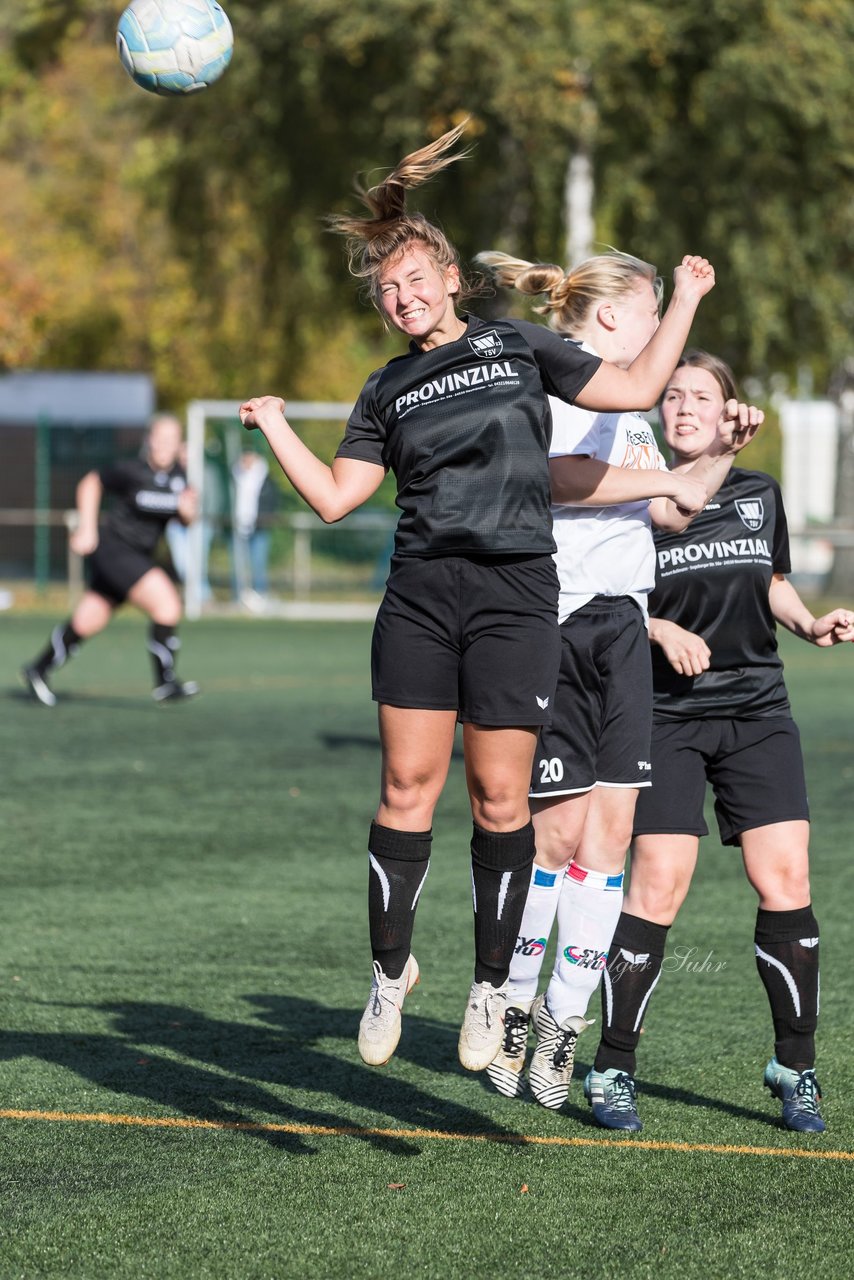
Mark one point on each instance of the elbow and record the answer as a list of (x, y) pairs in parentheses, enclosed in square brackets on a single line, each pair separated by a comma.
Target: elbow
[(672, 522), (562, 497), (330, 512), (681, 522), (647, 398)]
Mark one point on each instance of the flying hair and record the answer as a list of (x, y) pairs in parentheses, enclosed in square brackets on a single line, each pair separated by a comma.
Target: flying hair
[(391, 229), (570, 295)]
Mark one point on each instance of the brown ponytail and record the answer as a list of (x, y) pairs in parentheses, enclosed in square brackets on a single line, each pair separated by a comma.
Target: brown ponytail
[(373, 241)]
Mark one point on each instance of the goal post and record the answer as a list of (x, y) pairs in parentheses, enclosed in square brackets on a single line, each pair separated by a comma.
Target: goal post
[(199, 413)]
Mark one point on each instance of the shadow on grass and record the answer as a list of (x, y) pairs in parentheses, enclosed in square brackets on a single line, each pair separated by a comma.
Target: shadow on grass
[(133, 702), (244, 1073), (581, 1113)]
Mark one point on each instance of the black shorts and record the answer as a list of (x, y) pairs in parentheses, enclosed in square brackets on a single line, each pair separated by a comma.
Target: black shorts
[(114, 567), (470, 634), (755, 767), (602, 720)]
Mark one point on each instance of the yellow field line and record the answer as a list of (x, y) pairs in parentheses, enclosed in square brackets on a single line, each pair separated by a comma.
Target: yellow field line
[(329, 1131)]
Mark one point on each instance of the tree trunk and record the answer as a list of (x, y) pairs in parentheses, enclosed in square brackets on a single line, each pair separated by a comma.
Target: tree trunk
[(841, 582), (578, 206)]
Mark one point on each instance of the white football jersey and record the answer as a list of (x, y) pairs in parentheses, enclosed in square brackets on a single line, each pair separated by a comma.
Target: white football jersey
[(606, 551)]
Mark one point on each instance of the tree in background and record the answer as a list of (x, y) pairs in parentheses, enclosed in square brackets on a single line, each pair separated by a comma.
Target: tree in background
[(185, 237)]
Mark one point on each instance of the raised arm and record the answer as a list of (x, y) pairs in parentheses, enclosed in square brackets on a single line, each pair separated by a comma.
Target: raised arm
[(639, 386), (84, 539), (836, 627), (331, 491), (737, 426)]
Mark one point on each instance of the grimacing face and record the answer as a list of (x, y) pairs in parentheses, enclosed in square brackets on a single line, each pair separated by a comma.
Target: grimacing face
[(416, 295), (691, 409)]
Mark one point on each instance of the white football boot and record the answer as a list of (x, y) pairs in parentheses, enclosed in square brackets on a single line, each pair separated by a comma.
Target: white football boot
[(505, 1070), (379, 1030), (483, 1025), (553, 1059)]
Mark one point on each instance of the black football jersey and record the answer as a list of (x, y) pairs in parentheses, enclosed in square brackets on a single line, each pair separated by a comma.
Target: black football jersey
[(465, 429), (713, 579), (144, 501)]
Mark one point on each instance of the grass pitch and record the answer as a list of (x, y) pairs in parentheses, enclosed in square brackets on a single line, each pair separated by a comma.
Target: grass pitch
[(184, 960)]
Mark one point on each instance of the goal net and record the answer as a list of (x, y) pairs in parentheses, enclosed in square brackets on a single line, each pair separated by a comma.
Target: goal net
[(361, 544)]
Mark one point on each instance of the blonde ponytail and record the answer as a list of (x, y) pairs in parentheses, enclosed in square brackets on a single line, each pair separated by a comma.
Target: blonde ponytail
[(570, 295)]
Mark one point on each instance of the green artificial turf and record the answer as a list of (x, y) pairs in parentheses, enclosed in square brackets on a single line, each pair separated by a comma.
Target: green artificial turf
[(183, 904)]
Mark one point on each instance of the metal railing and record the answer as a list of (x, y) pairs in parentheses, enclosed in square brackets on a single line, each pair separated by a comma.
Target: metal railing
[(304, 526)]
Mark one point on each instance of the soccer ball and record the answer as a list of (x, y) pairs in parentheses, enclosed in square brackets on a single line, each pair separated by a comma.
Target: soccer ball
[(174, 46)]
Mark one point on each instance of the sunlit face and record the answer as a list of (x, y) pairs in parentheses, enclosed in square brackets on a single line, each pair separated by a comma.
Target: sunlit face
[(637, 318), (417, 296), (164, 443), (690, 411)]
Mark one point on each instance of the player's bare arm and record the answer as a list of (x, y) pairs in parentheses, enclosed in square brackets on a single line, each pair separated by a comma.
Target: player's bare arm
[(836, 627), (188, 505), (687, 653), (737, 426), (639, 386), (333, 491), (84, 539), (583, 481)]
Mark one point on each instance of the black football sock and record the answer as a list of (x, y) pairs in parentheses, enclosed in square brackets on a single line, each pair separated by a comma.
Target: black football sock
[(787, 960), (633, 969), (399, 862), (63, 644), (163, 645), (501, 876)]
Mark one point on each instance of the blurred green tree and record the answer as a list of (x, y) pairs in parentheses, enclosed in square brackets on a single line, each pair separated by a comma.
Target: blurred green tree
[(186, 236)]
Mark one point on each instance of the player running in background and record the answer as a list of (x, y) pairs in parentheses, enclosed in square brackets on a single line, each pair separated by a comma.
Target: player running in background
[(468, 625), (594, 756), (147, 493), (721, 714)]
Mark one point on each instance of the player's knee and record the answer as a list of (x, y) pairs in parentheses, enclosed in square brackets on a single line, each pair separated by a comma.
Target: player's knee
[(556, 845), (784, 888), (659, 900), (166, 617), (406, 793), (500, 808), (613, 843)]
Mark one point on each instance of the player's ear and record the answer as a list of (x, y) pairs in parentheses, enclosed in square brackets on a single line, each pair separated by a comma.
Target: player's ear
[(452, 278), (606, 315)]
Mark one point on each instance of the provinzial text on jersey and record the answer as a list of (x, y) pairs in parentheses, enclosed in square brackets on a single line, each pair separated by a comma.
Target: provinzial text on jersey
[(452, 383), (155, 500), (697, 551)]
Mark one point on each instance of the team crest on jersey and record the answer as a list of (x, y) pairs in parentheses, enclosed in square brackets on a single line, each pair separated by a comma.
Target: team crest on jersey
[(752, 512), (487, 345)]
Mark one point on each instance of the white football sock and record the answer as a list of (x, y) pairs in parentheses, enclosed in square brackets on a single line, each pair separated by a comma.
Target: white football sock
[(537, 922), (587, 913)]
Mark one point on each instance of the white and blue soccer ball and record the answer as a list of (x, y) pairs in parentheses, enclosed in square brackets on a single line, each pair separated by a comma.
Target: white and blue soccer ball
[(174, 46)]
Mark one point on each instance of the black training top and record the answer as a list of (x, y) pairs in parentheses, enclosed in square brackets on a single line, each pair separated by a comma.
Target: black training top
[(465, 429), (713, 579), (144, 501)]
